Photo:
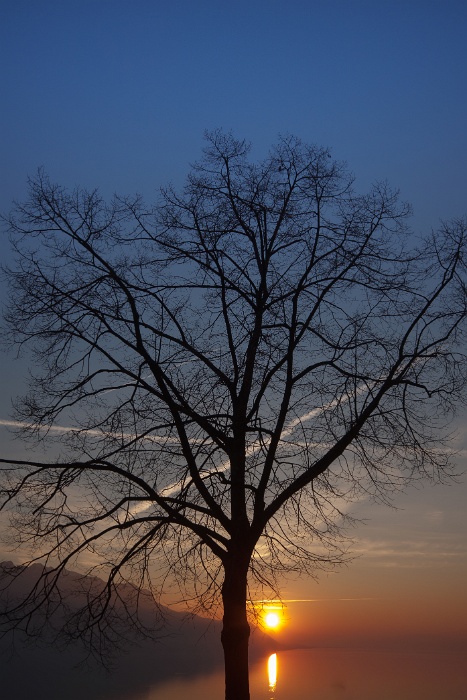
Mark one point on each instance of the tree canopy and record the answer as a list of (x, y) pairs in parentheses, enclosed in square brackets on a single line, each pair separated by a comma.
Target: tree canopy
[(226, 370)]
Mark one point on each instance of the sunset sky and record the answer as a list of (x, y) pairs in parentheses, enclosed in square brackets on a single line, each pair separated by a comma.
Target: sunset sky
[(117, 95)]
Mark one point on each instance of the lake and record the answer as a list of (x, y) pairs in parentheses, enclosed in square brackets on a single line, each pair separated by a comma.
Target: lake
[(334, 674)]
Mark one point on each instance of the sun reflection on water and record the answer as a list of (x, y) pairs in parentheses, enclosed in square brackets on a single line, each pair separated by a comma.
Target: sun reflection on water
[(272, 672)]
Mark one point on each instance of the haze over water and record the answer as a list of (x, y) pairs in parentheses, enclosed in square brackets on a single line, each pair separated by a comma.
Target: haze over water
[(335, 674)]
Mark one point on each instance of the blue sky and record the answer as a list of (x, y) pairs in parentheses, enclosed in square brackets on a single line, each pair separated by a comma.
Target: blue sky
[(117, 95)]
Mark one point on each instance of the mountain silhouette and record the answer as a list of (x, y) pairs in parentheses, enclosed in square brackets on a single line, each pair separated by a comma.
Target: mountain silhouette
[(36, 666)]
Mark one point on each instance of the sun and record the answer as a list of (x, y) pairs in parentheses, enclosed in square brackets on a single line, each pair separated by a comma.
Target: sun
[(272, 620)]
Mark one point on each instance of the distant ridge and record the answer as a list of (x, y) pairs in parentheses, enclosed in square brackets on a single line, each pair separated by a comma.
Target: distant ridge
[(184, 646)]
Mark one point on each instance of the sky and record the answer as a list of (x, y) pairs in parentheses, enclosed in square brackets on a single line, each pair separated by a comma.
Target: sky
[(117, 95)]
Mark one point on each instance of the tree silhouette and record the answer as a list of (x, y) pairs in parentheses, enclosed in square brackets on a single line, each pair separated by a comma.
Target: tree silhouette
[(237, 364)]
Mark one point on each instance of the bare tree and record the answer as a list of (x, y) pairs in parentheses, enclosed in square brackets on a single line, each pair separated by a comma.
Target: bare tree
[(237, 365)]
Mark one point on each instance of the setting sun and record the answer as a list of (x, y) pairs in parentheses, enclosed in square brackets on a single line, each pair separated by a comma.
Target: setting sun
[(272, 620)]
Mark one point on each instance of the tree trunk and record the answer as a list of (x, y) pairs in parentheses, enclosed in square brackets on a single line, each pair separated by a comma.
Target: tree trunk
[(235, 631)]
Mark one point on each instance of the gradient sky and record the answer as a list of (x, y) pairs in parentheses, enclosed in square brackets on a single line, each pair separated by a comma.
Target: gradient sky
[(117, 95)]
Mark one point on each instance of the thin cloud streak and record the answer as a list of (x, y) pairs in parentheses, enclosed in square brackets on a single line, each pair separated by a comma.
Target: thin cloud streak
[(222, 468), (307, 600), (92, 431)]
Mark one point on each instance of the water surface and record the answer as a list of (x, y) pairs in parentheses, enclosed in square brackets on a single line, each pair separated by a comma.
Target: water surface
[(335, 674)]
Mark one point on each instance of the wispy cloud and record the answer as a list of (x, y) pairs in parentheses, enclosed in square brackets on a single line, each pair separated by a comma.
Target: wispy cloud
[(276, 603), (422, 552), (252, 449), (98, 433)]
